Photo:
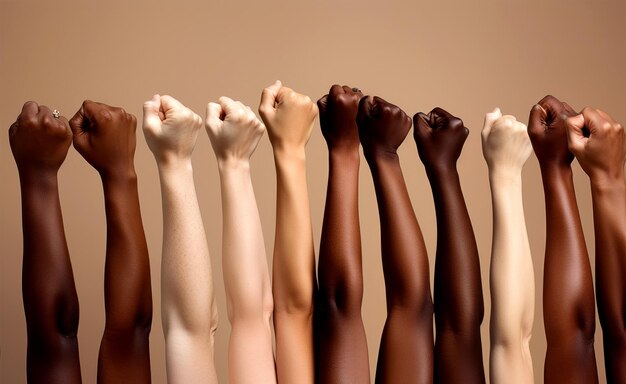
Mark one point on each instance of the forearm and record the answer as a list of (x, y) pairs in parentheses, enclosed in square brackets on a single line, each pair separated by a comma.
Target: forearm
[(128, 298), (458, 289), (187, 286), (294, 258), (405, 262), (569, 305), (512, 276), (340, 264), (244, 265)]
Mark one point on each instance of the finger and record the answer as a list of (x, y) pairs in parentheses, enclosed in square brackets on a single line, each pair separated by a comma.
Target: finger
[(421, 125), (440, 113), (575, 137), (606, 116), (490, 119), (536, 119), (30, 108), (78, 120), (268, 97), (568, 108), (283, 94), (592, 119), (228, 105), (170, 104), (552, 105), (336, 90), (151, 115), (322, 104), (214, 115)]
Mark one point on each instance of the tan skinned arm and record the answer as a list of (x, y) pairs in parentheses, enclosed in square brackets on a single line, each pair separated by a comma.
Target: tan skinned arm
[(289, 118)]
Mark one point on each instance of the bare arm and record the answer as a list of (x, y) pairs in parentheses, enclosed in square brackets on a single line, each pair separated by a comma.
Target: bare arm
[(506, 147), (289, 118), (39, 144), (189, 310), (235, 131)]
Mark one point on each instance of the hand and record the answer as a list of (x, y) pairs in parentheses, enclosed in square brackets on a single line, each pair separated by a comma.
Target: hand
[(234, 130), (39, 141), (105, 137), (287, 115), (547, 132), (338, 110), (382, 126), (171, 129), (505, 142), (439, 137), (599, 144)]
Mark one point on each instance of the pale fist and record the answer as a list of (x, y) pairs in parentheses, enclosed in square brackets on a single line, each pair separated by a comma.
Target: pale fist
[(234, 130), (338, 110), (105, 137), (439, 137), (547, 131), (288, 116), (382, 126), (170, 128), (599, 144), (39, 141), (506, 144)]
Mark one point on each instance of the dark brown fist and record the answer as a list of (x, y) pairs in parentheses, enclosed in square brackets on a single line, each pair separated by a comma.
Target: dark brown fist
[(39, 141), (548, 133), (338, 110), (382, 126), (440, 137), (105, 137)]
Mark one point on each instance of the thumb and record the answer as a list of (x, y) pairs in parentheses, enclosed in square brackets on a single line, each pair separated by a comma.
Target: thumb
[(421, 127), (576, 139), (169, 105), (490, 119), (536, 119), (214, 116), (268, 98), (151, 117)]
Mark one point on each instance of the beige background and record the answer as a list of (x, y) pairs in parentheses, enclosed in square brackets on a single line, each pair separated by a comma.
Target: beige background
[(462, 56)]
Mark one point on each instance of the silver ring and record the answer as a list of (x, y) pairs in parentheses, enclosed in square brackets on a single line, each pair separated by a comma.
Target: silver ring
[(356, 90), (56, 114)]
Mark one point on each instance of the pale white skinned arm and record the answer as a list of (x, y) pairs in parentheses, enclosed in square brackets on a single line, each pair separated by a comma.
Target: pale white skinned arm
[(189, 311), (506, 148)]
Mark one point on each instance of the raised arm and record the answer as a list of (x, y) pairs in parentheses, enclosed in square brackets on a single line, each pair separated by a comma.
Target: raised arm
[(599, 144), (458, 295), (189, 310), (105, 136), (39, 143), (342, 345), (506, 148), (235, 131), (406, 349), (289, 118), (568, 300)]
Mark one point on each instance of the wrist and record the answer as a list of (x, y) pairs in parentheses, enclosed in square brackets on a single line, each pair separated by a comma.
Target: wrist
[(174, 166), (374, 155), (225, 165), (119, 178), (38, 179), (605, 184), (441, 172), (344, 155), (289, 154), (512, 176)]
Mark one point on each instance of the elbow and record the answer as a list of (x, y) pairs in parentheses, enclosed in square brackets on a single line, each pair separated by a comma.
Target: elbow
[(341, 298), (299, 304)]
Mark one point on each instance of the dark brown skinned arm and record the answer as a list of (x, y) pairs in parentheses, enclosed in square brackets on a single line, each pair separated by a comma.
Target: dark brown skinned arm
[(458, 298), (39, 144), (406, 349), (568, 299), (342, 346)]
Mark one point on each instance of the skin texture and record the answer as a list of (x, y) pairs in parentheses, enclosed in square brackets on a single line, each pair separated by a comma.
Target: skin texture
[(342, 346), (235, 132), (458, 297), (568, 299), (188, 306), (599, 144), (39, 144), (105, 137), (406, 349), (289, 118), (506, 148)]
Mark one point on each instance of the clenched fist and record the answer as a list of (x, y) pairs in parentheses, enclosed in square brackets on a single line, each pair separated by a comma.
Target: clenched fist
[(439, 137), (288, 116), (599, 144), (505, 142), (547, 131), (382, 126), (338, 110), (105, 137), (171, 129), (39, 141), (234, 130)]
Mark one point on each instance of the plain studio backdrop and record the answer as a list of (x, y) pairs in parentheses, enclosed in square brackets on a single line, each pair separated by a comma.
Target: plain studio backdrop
[(463, 56)]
